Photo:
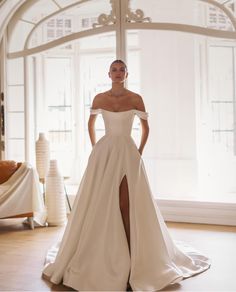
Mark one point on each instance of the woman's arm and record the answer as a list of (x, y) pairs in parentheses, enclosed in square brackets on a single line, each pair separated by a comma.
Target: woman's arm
[(91, 128), (139, 104), (145, 133), (92, 119)]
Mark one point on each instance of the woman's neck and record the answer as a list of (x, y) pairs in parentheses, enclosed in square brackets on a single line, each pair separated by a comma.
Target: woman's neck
[(117, 89)]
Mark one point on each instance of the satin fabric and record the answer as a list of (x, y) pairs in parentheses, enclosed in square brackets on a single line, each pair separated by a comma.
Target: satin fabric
[(93, 254)]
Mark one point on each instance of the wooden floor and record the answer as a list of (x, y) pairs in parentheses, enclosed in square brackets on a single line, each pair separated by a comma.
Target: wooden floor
[(22, 253)]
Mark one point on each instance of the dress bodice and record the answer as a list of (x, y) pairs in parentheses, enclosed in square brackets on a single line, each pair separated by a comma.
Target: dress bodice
[(119, 123)]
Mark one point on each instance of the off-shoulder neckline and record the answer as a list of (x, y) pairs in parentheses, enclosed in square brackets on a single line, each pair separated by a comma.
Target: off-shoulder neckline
[(133, 109)]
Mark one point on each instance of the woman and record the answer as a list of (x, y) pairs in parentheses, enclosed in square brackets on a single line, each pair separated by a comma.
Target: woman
[(115, 234), (118, 98)]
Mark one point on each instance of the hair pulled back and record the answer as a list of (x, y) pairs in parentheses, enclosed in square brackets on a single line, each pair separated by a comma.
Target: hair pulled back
[(120, 62)]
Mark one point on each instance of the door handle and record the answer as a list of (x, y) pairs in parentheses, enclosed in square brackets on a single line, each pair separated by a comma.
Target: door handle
[(2, 115)]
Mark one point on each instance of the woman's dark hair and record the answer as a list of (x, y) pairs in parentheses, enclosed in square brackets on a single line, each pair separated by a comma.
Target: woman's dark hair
[(119, 61)]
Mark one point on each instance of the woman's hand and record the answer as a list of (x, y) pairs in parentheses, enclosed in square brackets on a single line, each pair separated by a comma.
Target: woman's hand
[(140, 151)]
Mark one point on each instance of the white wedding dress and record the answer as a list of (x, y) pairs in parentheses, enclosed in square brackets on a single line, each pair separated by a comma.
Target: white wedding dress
[(94, 254)]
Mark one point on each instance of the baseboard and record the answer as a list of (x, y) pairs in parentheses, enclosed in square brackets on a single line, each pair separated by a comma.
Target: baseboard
[(194, 211), (198, 211)]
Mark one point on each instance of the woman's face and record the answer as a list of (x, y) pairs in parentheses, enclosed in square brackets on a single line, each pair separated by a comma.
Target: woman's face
[(118, 72)]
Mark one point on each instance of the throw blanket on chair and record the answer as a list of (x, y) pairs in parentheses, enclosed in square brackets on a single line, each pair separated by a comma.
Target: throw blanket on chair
[(21, 194)]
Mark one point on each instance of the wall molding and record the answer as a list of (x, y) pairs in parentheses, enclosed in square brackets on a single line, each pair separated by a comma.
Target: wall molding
[(184, 211), (219, 213)]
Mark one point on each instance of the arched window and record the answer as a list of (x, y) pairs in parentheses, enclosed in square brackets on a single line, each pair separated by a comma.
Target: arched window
[(180, 55)]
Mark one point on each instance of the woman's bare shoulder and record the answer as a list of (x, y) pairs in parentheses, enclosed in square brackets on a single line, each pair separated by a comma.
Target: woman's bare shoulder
[(99, 100), (137, 101), (133, 94)]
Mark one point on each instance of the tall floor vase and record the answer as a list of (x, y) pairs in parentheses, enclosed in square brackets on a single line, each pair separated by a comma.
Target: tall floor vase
[(42, 149), (55, 196)]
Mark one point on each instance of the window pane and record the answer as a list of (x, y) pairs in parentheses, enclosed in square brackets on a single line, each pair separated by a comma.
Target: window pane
[(94, 80), (16, 150), (15, 100), (175, 11), (16, 125), (79, 18), (184, 12), (59, 107), (222, 97), (221, 73)]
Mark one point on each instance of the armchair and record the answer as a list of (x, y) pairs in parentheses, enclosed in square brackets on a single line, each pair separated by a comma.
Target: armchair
[(20, 195)]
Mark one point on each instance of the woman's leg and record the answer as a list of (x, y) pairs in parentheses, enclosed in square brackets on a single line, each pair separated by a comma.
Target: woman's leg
[(124, 207)]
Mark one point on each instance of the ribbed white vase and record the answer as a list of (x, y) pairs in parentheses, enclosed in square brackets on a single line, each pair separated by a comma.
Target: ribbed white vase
[(42, 149), (55, 196)]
